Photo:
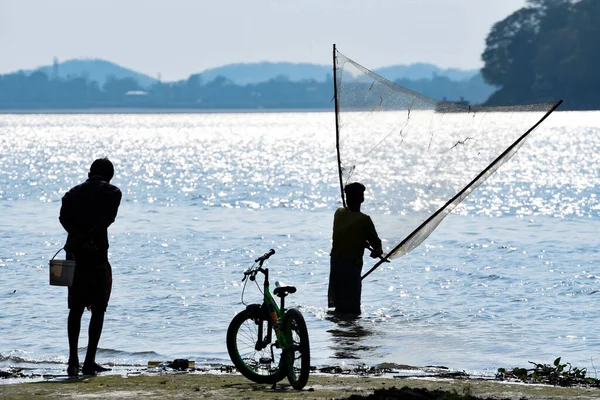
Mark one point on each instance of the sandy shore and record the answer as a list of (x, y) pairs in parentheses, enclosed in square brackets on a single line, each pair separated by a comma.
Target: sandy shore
[(320, 386)]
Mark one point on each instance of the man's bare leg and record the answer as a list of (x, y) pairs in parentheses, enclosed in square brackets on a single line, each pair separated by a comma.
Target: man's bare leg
[(73, 329)]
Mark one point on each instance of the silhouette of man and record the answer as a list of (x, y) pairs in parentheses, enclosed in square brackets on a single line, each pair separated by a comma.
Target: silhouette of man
[(353, 231), (87, 211)]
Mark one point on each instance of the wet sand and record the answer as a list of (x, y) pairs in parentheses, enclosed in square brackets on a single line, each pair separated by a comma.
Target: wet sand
[(320, 386)]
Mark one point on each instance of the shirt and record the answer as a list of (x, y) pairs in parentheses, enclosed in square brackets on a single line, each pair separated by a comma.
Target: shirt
[(352, 231), (92, 204)]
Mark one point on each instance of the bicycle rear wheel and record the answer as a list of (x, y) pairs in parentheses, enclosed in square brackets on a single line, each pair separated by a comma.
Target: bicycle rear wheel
[(257, 358), (297, 357)]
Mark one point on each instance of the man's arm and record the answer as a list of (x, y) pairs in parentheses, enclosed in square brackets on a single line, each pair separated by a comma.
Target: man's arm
[(110, 207), (66, 215), (115, 202), (373, 240)]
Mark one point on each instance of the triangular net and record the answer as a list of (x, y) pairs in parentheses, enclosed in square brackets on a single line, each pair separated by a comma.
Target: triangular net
[(419, 158)]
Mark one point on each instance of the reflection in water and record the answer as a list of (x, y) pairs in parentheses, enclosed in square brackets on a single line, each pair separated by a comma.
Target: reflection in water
[(349, 336)]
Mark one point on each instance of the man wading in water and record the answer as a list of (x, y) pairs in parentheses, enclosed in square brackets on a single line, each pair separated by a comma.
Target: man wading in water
[(87, 211), (353, 231)]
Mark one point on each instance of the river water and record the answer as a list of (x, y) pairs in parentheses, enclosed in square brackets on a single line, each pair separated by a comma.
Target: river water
[(511, 276)]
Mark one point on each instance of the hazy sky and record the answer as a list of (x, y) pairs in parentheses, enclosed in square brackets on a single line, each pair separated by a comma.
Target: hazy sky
[(179, 37)]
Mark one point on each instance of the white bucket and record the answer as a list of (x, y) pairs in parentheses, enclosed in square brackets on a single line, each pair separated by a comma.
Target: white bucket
[(61, 272)]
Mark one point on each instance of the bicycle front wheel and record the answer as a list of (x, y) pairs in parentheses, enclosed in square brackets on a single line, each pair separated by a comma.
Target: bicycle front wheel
[(252, 349), (297, 357)]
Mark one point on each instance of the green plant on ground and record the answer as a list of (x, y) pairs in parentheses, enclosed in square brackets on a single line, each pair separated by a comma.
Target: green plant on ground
[(553, 374)]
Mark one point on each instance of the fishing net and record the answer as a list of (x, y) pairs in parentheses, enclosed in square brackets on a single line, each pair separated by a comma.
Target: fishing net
[(418, 157)]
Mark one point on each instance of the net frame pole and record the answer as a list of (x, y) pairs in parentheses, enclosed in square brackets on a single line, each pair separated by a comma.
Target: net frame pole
[(493, 163), (337, 124)]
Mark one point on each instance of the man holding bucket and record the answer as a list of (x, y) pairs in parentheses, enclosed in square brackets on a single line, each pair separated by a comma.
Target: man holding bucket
[(86, 213)]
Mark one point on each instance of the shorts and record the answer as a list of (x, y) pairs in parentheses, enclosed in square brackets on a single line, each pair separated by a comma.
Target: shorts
[(92, 283)]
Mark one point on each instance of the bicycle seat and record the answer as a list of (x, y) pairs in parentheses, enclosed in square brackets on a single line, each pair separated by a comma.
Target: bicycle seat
[(283, 291)]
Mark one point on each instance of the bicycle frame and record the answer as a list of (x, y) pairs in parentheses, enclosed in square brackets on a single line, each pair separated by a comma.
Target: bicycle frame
[(276, 313)]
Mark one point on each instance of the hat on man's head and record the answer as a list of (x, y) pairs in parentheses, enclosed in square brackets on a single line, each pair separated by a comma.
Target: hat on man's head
[(354, 188)]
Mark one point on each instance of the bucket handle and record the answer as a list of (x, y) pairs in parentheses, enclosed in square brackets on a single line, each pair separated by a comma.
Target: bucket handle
[(54, 256)]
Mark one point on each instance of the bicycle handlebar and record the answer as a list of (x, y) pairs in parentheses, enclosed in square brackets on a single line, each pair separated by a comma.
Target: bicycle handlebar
[(265, 256), (256, 269)]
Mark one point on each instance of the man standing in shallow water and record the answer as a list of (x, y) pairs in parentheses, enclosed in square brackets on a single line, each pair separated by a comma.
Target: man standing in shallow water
[(353, 231), (86, 213)]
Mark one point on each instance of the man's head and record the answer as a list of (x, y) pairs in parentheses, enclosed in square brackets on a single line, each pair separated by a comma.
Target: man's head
[(355, 193), (102, 167)]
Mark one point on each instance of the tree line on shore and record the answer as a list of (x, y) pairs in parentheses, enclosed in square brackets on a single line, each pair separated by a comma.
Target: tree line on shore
[(38, 91), (545, 51)]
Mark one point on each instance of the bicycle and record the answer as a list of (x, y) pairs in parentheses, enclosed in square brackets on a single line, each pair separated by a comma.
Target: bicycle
[(265, 341)]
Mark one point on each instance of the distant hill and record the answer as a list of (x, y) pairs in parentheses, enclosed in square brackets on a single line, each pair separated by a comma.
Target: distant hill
[(249, 73), (246, 73), (418, 71), (427, 79), (94, 70), (474, 89), (298, 90), (243, 74)]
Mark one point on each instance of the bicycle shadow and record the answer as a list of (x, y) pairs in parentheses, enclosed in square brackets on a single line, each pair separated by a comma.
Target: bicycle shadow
[(349, 336), (280, 387)]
